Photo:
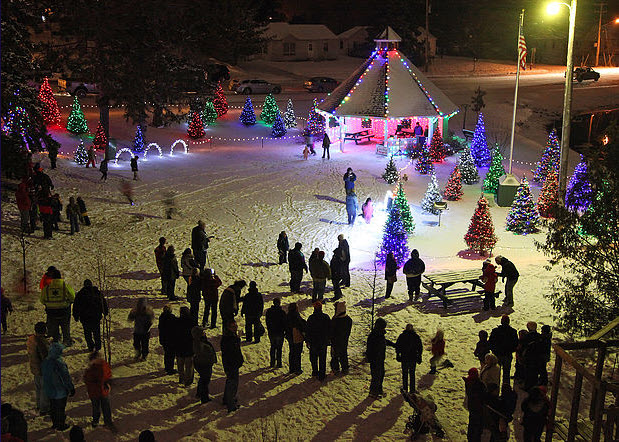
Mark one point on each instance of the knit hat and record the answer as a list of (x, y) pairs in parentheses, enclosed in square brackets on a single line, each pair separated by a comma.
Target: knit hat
[(473, 373), (505, 320), (340, 308)]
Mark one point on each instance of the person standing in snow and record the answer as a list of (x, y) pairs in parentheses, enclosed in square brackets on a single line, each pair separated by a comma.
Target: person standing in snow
[(375, 354), (336, 273), (188, 263), (295, 334), (170, 273), (57, 210), (24, 204), (503, 343), (482, 348), (134, 167), (276, 328), (253, 306), (57, 384), (349, 180), (83, 212), (73, 213), (7, 307), (341, 325), (232, 360), (321, 273), (159, 255), (535, 414), (368, 210), (345, 256), (142, 316), (103, 169), (489, 278), (229, 302), (204, 357), (490, 372), (183, 344), (57, 297), (167, 329), (296, 264), (194, 295), (97, 379), (352, 206), (317, 339), (509, 272), (45, 209), (91, 157), (89, 308), (283, 247), (475, 394), (413, 269), (391, 270), (38, 348), (546, 346), (199, 243), (326, 143), (408, 349), (210, 293)]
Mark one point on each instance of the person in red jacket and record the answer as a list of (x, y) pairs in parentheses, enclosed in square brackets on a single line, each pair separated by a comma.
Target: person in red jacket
[(210, 293), (97, 379), (47, 277), (46, 211), (22, 197), (489, 278)]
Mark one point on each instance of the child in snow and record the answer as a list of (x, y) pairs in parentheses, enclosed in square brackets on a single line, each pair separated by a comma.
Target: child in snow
[(438, 351), (83, 213), (368, 210), (73, 211), (483, 347), (142, 316), (489, 278), (305, 153), (7, 307), (56, 210), (97, 379)]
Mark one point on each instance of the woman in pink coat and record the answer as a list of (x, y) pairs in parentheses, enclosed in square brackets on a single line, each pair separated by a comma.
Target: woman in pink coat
[(368, 210)]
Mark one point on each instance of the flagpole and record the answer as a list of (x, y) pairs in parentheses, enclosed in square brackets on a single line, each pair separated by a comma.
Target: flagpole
[(511, 143)]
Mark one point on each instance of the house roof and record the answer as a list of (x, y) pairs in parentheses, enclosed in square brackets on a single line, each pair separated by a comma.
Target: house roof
[(388, 35), (352, 31), (280, 30)]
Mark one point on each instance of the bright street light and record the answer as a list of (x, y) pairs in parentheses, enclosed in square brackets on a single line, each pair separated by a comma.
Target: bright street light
[(555, 7)]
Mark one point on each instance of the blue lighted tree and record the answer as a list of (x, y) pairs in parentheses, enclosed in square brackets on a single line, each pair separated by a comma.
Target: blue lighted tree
[(138, 140), (578, 195), (479, 145), (248, 115), (279, 130), (395, 238), (523, 215)]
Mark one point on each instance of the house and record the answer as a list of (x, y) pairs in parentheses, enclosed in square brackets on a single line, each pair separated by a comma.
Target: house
[(292, 42), (355, 42)]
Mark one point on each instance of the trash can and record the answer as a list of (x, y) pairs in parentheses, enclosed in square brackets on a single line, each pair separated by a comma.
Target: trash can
[(508, 186)]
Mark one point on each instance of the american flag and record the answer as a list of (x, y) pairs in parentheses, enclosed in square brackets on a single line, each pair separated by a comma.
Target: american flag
[(522, 52)]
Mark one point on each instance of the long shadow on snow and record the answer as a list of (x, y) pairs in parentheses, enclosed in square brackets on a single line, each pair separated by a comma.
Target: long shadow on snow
[(338, 425), (260, 264), (329, 198), (328, 221), (380, 421), (138, 275)]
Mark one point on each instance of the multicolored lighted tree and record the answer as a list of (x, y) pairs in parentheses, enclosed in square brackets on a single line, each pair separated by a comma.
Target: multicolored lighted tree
[(219, 102), (100, 140), (196, 127), (279, 130), (424, 165), (395, 238), (405, 210), (77, 120), (209, 114), (269, 110), (480, 237), (550, 158), (138, 140), (248, 115), (579, 194), (433, 195), (49, 105), (479, 145), (437, 147), (289, 118), (467, 167), (496, 171), (523, 215), (315, 123), (80, 156), (453, 189), (549, 196), (16, 122), (391, 175)]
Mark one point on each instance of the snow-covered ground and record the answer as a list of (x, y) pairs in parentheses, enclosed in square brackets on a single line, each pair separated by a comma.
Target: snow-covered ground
[(247, 193)]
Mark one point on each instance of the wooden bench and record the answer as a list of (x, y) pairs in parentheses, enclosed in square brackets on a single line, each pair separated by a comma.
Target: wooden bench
[(440, 282), (358, 136), (467, 134)]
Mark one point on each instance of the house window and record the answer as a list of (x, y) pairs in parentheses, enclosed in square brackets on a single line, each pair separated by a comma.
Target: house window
[(310, 47), (341, 44), (289, 49), (325, 47)]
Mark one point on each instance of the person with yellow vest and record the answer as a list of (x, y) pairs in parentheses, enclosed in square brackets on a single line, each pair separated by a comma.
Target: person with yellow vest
[(57, 298)]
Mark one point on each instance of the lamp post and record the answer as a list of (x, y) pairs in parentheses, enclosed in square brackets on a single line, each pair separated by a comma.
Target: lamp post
[(599, 42)]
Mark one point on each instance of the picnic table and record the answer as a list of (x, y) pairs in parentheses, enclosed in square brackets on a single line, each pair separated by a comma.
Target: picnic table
[(358, 136), (441, 281)]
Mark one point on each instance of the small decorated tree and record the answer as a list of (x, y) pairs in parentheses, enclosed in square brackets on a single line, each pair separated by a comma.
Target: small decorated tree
[(424, 165), (269, 110), (279, 130), (453, 189), (467, 167), (579, 195), (496, 171), (100, 140), (405, 210), (315, 123), (480, 236), (395, 238), (219, 102), (138, 140), (549, 160), (289, 118), (248, 116), (49, 105), (209, 114), (549, 196), (196, 127), (433, 195), (437, 147), (479, 145), (523, 215), (80, 156), (391, 174), (77, 120)]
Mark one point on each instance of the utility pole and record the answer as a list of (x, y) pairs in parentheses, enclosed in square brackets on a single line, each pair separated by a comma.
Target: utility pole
[(427, 45), (597, 49)]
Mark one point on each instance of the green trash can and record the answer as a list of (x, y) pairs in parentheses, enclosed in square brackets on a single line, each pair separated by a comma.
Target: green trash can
[(508, 186)]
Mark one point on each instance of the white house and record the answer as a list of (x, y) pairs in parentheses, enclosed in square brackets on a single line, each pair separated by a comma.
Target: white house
[(292, 42), (353, 40)]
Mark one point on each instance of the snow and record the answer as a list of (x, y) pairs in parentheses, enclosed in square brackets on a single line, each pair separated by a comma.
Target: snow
[(247, 192)]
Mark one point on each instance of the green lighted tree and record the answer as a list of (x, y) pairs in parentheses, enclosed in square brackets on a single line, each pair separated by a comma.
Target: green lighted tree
[(77, 120), (269, 110), (496, 171), (405, 209)]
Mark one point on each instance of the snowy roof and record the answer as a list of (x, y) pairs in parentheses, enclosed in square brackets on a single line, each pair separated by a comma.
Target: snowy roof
[(280, 30), (350, 32), (388, 85)]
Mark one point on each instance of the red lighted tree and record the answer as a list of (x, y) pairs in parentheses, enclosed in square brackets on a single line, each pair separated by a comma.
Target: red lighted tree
[(480, 236), (549, 196), (49, 105), (220, 102), (196, 127), (437, 147), (100, 139), (453, 189)]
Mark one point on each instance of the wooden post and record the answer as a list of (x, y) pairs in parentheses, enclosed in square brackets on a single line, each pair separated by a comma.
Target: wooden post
[(599, 410), (556, 378), (599, 367), (573, 428)]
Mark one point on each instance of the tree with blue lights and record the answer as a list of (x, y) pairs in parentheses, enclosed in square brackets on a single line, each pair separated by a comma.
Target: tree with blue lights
[(479, 145), (523, 215), (424, 165), (433, 195), (138, 140), (395, 238), (549, 160), (248, 115), (290, 120), (279, 130), (579, 195)]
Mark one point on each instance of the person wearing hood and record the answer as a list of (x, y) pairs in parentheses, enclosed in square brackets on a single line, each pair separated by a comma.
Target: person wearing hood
[(97, 379), (204, 357), (183, 344), (232, 360), (296, 265), (475, 393), (170, 273), (317, 338), (89, 308), (283, 247), (391, 270), (210, 293), (57, 384), (489, 278), (503, 343), (368, 210), (295, 334), (341, 325), (534, 414), (38, 349), (320, 272), (375, 354), (229, 302), (408, 349), (194, 294), (188, 263), (142, 316), (167, 328), (276, 327), (336, 265), (413, 269), (345, 255), (253, 306), (57, 297), (349, 180)]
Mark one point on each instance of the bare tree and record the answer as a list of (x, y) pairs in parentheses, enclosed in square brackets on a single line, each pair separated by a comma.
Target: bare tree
[(101, 266)]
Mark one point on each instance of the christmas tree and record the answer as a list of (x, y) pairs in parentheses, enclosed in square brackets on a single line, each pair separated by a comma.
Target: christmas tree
[(437, 147), (80, 156), (391, 174), (549, 196), (248, 116), (433, 195), (480, 236), (405, 210), (16, 122), (289, 118), (315, 123), (196, 128), (100, 140), (138, 140), (77, 121), (424, 163), (49, 105), (467, 167), (550, 158), (220, 102), (395, 238), (269, 110), (479, 145), (279, 130), (209, 114), (523, 215), (453, 189), (579, 195), (496, 171)]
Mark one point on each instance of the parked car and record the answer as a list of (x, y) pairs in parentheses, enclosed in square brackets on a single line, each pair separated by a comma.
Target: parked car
[(248, 87), (77, 87), (320, 84), (585, 73)]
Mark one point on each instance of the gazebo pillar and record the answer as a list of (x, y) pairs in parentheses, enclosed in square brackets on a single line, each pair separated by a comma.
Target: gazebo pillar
[(431, 124), (445, 126)]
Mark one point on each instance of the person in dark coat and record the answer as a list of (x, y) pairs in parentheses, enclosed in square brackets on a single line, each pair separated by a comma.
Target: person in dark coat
[(134, 167), (194, 295), (24, 204), (375, 354), (503, 342), (295, 334), (56, 211), (57, 384), (253, 306), (341, 325), (170, 273), (159, 255), (199, 243), (326, 143), (317, 338), (475, 394), (533, 356), (413, 269), (232, 360), (7, 307), (534, 415), (142, 316), (73, 215), (349, 180), (320, 271), (391, 270), (183, 344), (336, 265), (204, 357), (210, 293), (188, 263), (408, 349), (167, 328), (352, 207), (276, 328), (89, 308), (14, 424), (83, 213), (495, 419), (345, 256), (52, 153), (483, 347), (546, 347), (103, 169), (509, 273), (45, 209), (229, 302), (489, 278), (283, 247), (296, 265)]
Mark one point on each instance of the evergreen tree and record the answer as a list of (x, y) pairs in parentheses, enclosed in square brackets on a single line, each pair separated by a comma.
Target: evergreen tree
[(549, 160), (290, 120), (209, 114), (77, 120), (17, 122), (269, 110), (523, 215), (279, 130), (433, 195), (196, 127), (479, 145), (496, 171), (549, 196), (49, 105), (100, 141), (453, 189), (480, 236), (578, 195), (138, 140), (80, 156), (437, 147), (405, 210), (395, 238), (391, 174), (467, 167), (424, 165), (219, 102), (315, 123), (248, 116)]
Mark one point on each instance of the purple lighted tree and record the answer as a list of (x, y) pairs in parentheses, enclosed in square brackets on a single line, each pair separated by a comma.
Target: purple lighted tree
[(395, 238), (579, 194)]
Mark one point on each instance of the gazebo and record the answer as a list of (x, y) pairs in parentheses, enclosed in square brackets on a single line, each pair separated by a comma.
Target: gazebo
[(384, 99)]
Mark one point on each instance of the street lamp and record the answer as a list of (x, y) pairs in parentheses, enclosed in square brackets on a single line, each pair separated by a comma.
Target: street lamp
[(553, 8)]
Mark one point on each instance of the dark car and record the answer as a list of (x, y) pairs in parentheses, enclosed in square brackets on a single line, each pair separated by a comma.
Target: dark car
[(320, 84), (585, 73)]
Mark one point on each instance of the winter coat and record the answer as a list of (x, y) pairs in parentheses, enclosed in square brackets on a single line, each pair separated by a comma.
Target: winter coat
[(199, 239), (490, 375), (296, 261), (336, 266), (322, 271), (231, 355), (414, 267), (326, 142), (134, 165), (188, 263), (349, 181), (368, 210), (318, 329), (194, 290), (38, 348), (103, 167), (508, 270), (170, 266), (282, 243), (340, 330), (45, 205), (481, 350), (167, 328), (391, 270), (91, 153), (159, 255), (438, 347), (7, 305), (42, 181), (533, 349), (276, 321), (546, 345), (295, 330), (352, 204), (489, 277), (475, 394), (22, 197), (376, 346), (312, 262), (204, 355), (82, 207), (183, 340), (143, 320), (228, 307), (253, 304), (57, 382), (210, 286), (57, 207), (408, 347), (503, 340), (97, 377), (72, 210), (89, 305), (57, 295), (534, 412), (345, 250)]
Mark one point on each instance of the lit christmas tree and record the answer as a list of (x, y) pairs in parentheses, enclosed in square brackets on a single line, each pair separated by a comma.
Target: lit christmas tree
[(480, 236), (395, 238), (479, 145), (138, 140), (196, 128), (80, 156), (433, 195), (523, 216), (579, 195), (209, 114), (315, 123), (220, 102), (289, 118), (453, 189), (279, 130), (391, 174), (437, 147), (16, 122), (550, 158), (100, 140), (549, 195), (405, 210), (248, 116), (269, 110), (77, 121), (467, 167), (424, 165), (496, 171), (49, 105)]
